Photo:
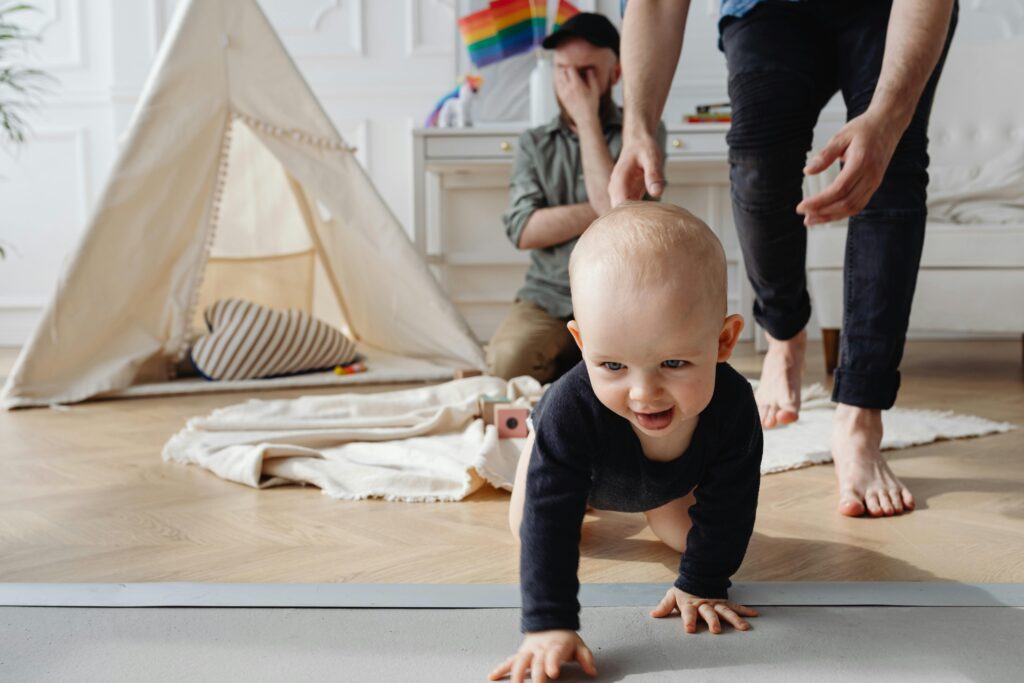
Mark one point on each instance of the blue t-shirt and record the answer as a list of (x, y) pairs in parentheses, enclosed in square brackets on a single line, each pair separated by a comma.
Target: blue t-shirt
[(730, 8), (737, 8)]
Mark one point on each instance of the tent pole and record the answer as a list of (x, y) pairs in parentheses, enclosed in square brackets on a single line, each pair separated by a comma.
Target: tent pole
[(307, 218)]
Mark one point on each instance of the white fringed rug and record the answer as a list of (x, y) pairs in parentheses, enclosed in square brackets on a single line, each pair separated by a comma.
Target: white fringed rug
[(806, 441)]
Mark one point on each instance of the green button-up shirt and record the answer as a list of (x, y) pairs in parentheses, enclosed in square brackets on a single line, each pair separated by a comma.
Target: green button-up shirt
[(549, 172)]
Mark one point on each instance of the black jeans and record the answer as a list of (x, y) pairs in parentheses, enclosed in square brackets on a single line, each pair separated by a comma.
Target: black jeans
[(786, 60)]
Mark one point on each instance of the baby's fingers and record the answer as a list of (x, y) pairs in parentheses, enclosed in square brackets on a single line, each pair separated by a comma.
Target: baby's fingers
[(520, 665), (730, 616), (586, 659), (689, 614), (502, 669), (553, 659), (711, 616), (666, 606), (537, 674), (742, 609)]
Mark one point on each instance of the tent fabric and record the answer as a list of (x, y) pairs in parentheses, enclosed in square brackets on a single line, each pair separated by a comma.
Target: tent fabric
[(381, 368), (230, 164)]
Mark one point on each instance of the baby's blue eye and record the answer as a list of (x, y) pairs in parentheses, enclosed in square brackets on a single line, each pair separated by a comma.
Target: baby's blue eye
[(674, 364), (612, 365)]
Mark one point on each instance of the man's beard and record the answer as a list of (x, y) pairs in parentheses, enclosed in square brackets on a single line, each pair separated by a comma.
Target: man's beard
[(605, 108)]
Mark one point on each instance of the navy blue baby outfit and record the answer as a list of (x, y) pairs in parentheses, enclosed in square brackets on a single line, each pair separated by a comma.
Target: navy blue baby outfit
[(583, 452)]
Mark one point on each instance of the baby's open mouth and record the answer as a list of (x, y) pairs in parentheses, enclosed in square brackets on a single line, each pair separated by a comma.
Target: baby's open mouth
[(655, 420)]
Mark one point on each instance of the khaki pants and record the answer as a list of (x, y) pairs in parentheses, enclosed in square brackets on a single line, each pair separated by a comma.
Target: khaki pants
[(531, 342)]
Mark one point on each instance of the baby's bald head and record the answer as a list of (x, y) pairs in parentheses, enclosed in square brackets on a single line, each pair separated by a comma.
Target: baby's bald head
[(639, 245)]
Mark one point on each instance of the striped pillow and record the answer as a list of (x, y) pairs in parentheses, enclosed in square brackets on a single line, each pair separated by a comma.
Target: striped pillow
[(248, 341)]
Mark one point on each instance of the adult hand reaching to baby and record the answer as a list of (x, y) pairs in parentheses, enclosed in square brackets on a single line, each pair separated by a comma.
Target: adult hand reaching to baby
[(692, 609), (638, 170), (542, 655), (865, 145)]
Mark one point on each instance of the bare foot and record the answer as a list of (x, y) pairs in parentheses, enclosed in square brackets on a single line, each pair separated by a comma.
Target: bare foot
[(866, 484), (778, 392)]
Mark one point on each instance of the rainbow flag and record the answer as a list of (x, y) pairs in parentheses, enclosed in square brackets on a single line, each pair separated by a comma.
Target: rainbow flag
[(521, 24), (503, 29), (565, 10), (480, 34)]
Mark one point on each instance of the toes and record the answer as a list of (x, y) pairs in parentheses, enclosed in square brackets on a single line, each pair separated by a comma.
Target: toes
[(885, 503), (896, 500), (785, 416), (908, 500), (874, 508), (851, 506), (768, 416)]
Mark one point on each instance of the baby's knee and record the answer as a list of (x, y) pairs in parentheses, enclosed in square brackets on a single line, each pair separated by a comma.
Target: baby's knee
[(515, 516), (673, 538), (671, 522), (514, 521)]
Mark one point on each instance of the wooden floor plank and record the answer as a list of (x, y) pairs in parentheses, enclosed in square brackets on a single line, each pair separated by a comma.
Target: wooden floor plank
[(84, 496)]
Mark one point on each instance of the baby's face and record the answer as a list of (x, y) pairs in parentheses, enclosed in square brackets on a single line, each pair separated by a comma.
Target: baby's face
[(651, 355)]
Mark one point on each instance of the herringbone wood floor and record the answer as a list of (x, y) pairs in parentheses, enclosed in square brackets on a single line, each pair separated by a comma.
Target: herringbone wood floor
[(84, 496)]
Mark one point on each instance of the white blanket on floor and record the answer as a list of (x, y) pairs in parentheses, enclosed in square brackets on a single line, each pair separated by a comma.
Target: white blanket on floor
[(424, 444), (427, 444)]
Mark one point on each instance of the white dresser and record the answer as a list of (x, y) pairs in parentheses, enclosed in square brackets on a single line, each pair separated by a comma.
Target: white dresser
[(461, 186)]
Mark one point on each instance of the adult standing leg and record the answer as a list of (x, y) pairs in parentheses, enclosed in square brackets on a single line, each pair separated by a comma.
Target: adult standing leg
[(782, 71), (883, 253)]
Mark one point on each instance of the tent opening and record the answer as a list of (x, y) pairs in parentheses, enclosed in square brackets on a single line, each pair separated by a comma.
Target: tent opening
[(262, 249)]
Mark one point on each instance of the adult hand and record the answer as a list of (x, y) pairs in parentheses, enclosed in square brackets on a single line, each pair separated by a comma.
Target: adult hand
[(865, 145), (542, 654), (580, 95), (692, 608), (637, 170)]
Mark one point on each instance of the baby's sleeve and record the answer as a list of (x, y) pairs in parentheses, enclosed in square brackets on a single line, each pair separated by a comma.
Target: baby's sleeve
[(726, 505), (557, 485)]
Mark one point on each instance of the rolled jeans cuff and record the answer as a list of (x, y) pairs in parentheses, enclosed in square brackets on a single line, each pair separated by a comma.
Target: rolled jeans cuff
[(784, 326), (875, 390)]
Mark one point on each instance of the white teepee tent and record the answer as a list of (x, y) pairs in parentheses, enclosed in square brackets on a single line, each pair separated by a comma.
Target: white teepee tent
[(232, 182)]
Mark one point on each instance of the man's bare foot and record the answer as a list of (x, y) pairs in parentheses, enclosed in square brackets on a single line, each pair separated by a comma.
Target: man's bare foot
[(778, 392), (866, 484)]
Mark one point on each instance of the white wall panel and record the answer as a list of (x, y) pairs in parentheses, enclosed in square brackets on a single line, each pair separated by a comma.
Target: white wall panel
[(45, 197), (430, 27), (314, 29), (59, 22)]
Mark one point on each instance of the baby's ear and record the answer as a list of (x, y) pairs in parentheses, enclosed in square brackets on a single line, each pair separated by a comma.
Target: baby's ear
[(729, 335), (574, 330)]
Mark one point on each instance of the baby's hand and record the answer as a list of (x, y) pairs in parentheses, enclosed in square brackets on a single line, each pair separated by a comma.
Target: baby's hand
[(690, 607), (542, 654)]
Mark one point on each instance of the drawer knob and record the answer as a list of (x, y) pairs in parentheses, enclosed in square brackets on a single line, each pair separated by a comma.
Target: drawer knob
[(677, 143), (505, 146)]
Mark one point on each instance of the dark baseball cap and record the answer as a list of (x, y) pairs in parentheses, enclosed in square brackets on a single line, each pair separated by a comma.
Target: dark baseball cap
[(593, 28)]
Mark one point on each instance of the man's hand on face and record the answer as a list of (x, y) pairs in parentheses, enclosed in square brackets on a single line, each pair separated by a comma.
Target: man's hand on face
[(579, 94)]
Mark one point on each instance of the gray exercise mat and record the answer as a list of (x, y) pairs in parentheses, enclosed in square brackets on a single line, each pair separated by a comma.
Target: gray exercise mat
[(792, 593), (424, 645)]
